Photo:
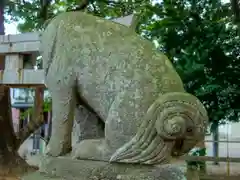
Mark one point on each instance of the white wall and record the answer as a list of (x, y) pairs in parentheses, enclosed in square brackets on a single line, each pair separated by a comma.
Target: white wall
[(230, 130)]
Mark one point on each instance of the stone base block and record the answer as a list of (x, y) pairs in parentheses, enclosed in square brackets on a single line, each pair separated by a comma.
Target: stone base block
[(66, 168)]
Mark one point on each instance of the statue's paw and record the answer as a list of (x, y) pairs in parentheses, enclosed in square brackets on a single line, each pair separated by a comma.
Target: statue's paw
[(84, 150), (91, 149), (55, 149)]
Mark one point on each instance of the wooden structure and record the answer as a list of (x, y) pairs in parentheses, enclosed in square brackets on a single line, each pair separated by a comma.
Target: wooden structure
[(20, 52)]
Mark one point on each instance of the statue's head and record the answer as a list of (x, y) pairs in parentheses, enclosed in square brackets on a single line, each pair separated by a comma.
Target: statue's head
[(173, 125), (182, 119)]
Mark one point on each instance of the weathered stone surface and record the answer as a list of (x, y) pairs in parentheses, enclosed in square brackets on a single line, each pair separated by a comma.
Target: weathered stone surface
[(65, 168), (86, 125), (121, 77), (39, 176)]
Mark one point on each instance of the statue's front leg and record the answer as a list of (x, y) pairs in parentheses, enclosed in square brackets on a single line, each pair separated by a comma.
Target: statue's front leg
[(63, 105)]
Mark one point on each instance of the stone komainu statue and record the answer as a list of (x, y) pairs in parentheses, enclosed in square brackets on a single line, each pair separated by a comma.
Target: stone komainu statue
[(132, 87)]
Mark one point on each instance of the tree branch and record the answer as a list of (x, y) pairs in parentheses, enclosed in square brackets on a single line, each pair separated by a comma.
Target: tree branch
[(27, 130), (236, 10), (33, 124), (44, 9), (82, 5)]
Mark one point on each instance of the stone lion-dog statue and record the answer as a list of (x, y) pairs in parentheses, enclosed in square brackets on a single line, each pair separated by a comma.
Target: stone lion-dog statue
[(132, 87)]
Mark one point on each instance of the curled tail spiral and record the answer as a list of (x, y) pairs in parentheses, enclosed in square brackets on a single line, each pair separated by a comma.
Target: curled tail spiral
[(172, 118)]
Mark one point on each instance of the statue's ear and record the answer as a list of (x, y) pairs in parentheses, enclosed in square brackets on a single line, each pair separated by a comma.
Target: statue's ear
[(126, 20)]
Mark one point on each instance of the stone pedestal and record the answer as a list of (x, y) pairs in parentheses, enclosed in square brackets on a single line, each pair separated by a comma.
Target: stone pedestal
[(65, 168)]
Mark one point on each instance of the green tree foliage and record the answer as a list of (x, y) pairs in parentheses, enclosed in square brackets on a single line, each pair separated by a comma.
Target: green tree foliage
[(203, 43)]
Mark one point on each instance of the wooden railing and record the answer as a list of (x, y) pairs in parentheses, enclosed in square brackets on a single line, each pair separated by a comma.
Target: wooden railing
[(205, 176)]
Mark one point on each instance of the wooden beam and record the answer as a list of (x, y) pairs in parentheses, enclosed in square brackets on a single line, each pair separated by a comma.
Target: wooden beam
[(209, 158), (24, 37), (20, 43), (20, 47), (25, 85), (22, 76)]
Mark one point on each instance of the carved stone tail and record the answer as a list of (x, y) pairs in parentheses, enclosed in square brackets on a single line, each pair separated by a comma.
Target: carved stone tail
[(172, 117)]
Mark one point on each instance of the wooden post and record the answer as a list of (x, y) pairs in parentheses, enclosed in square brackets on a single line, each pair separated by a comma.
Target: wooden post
[(13, 67), (203, 167), (2, 62), (38, 110), (192, 173), (13, 61)]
